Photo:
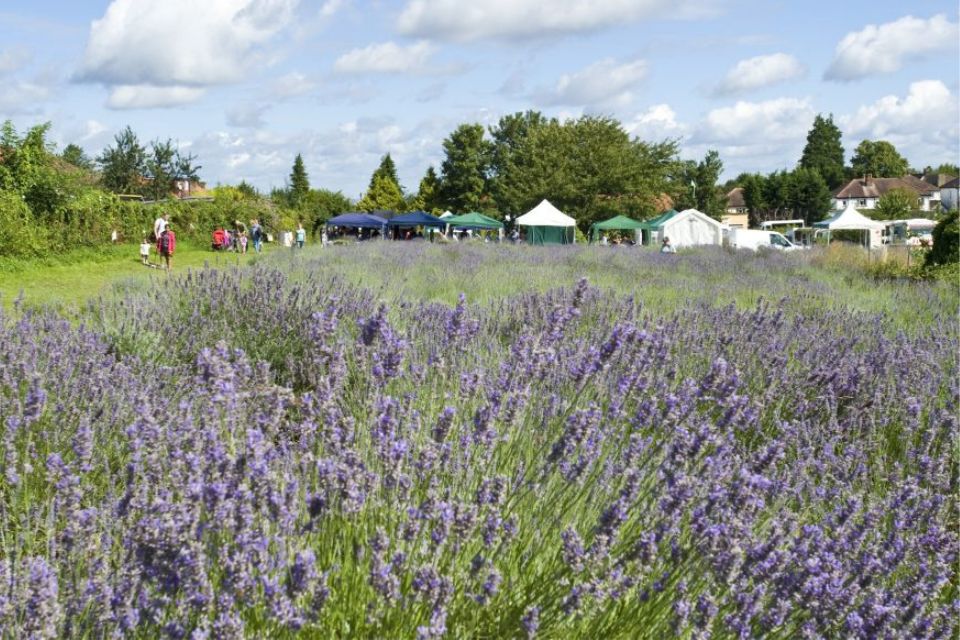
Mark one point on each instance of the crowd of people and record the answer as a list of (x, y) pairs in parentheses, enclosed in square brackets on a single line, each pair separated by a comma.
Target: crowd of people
[(238, 238)]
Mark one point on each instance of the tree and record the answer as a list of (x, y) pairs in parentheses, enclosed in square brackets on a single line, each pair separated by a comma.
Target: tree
[(946, 241), (590, 168), (428, 195), (895, 204), (122, 166), (753, 197), (387, 169), (464, 168), (75, 155), (509, 136), (879, 159), (383, 194), (299, 183), (26, 169), (824, 152), (808, 195), (698, 186), (323, 204)]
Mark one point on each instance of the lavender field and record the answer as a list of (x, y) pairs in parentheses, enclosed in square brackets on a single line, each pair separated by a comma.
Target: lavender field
[(588, 443)]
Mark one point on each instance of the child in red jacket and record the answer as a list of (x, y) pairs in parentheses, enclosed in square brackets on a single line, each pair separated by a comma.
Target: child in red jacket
[(166, 243)]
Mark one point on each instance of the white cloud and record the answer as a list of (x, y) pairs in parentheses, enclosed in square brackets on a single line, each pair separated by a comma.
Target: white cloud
[(760, 71), (13, 60), (885, 48), (330, 7), (757, 122), (145, 96), (93, 130), (656, 123), (162, 53), (603, 82), (923, 125), (22, 96), (291, 85), (462, 21), (387, 57)]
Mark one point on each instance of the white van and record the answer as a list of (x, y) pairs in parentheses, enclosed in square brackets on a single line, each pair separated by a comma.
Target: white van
[(755, 239)]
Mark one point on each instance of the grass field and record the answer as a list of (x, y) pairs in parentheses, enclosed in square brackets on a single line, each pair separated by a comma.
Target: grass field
[(69, 282)]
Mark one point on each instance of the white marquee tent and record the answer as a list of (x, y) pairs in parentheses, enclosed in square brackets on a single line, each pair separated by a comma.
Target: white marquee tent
[(852, 220), (688, 228), (548, 225)]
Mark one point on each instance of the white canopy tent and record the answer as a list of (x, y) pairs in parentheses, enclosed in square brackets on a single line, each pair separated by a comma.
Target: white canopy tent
[(548, 225), (690, 228), (446, 214), (852, 220)]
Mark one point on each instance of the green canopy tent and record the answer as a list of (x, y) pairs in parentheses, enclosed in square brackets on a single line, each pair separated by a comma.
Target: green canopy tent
[(473, 221), (616, 223)]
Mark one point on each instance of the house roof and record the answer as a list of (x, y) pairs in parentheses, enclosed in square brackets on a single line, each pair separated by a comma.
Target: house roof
[(876, 187), (735, 198), (938, 179), (953, 184)]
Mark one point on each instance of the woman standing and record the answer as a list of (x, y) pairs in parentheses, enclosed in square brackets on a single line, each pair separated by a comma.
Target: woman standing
[(166, 243), (301, 235)]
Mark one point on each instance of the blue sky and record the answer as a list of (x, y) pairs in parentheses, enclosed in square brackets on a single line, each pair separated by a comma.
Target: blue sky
[(247, 84)]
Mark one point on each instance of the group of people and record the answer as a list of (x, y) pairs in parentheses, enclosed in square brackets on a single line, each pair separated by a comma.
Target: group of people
[(237, 238), (166, 243)]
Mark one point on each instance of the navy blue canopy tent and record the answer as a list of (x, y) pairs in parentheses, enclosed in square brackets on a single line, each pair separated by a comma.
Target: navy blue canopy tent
[(357, 221), (416, 219)]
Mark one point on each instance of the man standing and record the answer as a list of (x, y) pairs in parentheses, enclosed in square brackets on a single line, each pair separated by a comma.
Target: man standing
[(159, 225), (256, 233)]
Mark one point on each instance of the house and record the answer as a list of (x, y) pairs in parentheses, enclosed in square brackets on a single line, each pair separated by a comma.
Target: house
[(864, 193), (186, 188), (736, 215), (949, 196)]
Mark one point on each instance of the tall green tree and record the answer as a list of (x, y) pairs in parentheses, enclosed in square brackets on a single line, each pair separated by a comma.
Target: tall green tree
[(590, 168), (123, 164), (698, 186), (383, 194), (299, 182), (895, 205), (509, 136), (464, 169), (824, 151), (387, 169), (879, 159), (322, 204), (808, 195), (428, 195)]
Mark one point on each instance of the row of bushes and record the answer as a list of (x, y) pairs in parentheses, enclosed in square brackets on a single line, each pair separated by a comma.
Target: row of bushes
[(89, 218)]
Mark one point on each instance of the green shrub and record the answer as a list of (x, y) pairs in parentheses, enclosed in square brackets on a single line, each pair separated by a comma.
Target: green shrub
[(946, 241)]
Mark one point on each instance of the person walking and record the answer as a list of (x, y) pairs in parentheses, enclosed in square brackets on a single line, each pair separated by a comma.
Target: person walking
[(256, 234), (166, 244), (301, 235)]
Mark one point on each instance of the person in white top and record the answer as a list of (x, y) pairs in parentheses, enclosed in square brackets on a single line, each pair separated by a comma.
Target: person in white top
[(159, 225)]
